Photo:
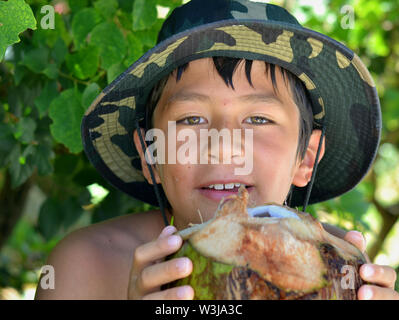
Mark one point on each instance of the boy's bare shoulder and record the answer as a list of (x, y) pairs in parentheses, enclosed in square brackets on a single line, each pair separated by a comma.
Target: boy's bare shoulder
[(94, 262)]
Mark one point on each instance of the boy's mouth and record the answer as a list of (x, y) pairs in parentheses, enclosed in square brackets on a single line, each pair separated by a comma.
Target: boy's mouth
[(217, 191)]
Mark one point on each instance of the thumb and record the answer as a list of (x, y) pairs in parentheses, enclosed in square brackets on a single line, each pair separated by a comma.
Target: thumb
[(357, 239)]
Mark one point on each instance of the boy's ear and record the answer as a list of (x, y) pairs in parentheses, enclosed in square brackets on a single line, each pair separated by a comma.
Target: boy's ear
[(305, 169), (144, 165)]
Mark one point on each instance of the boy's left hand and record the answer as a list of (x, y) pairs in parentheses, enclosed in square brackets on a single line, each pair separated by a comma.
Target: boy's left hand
[(382, 277)]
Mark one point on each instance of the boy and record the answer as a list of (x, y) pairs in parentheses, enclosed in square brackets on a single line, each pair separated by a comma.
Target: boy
[(230, 65)]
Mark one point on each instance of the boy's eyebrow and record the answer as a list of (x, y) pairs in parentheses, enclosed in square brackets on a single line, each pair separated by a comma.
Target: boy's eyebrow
[(193, 96), (188, 96), (260, 97)]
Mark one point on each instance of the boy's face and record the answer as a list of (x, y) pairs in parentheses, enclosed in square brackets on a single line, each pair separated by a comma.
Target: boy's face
[(202, 100)]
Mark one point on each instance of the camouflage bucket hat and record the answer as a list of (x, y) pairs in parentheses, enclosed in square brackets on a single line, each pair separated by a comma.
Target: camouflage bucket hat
[(342, 92)]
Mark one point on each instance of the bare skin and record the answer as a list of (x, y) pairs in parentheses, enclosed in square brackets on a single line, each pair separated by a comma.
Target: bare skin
[(96, 262), (124, 258)]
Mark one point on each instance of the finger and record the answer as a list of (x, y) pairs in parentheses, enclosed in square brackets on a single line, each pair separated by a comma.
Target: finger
[(370, 292), (161, 273), (177, 293), (357, 239), (381, 275), (148, 253), (167, 231)]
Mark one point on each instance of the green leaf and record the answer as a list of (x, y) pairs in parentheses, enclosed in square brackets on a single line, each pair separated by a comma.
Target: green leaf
[(71, 211), (41, 159), (354, 203), (149, 37), (36, 59), (114, 71), (125, 19), (135, 49), (89, 94), (51, 71), (114, 204), (144, 14), (50, 219), (84, 63), (377, 44), (15, 17), (56, 216), (76, 5), (106, 8), (59, 51), (7, 142), (20, 172), (66, 111), (83, 22), (48, 94), (19, 73), (126, 5), (49, 37), (109, 39), (25, 130)]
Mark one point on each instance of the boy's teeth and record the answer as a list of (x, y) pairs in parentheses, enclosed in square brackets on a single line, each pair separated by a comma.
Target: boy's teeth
[(227, 186)]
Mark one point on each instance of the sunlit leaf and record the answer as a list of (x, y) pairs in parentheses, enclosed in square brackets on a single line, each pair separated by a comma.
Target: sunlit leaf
[(106, 8), (15, 17), (66, 111), (144, 14), (84, 63), (83, 22), (89, 94), (112, 47)]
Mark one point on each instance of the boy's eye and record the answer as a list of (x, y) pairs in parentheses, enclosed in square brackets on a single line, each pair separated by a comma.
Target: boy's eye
[(192, 120), (256, 120)]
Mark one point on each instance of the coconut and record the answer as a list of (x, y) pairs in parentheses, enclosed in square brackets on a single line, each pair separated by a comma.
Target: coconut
[(268, 252)]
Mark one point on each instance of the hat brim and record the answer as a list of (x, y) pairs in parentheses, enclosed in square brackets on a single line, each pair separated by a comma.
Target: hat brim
[(342, 92)]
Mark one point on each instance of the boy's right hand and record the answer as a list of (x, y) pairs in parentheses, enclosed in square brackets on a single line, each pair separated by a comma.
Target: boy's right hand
[(149, 272)]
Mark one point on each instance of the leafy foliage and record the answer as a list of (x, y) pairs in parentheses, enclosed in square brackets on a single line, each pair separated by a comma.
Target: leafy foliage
[(48, 80)]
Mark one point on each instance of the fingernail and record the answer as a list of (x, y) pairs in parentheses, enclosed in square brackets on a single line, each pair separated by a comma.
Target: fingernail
[(368, 271), (182, 292), (367, 293), (182, 265), (173, 241), (168, 230)]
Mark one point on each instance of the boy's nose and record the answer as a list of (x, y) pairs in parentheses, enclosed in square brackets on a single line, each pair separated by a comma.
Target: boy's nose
[(224, 121), (225, 143)]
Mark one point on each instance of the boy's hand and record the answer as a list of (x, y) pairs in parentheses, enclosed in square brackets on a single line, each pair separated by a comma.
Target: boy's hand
[(149, 272), (383, 277)]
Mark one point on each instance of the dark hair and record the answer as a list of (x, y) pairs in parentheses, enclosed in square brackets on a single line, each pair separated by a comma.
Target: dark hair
[(226, 67)]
